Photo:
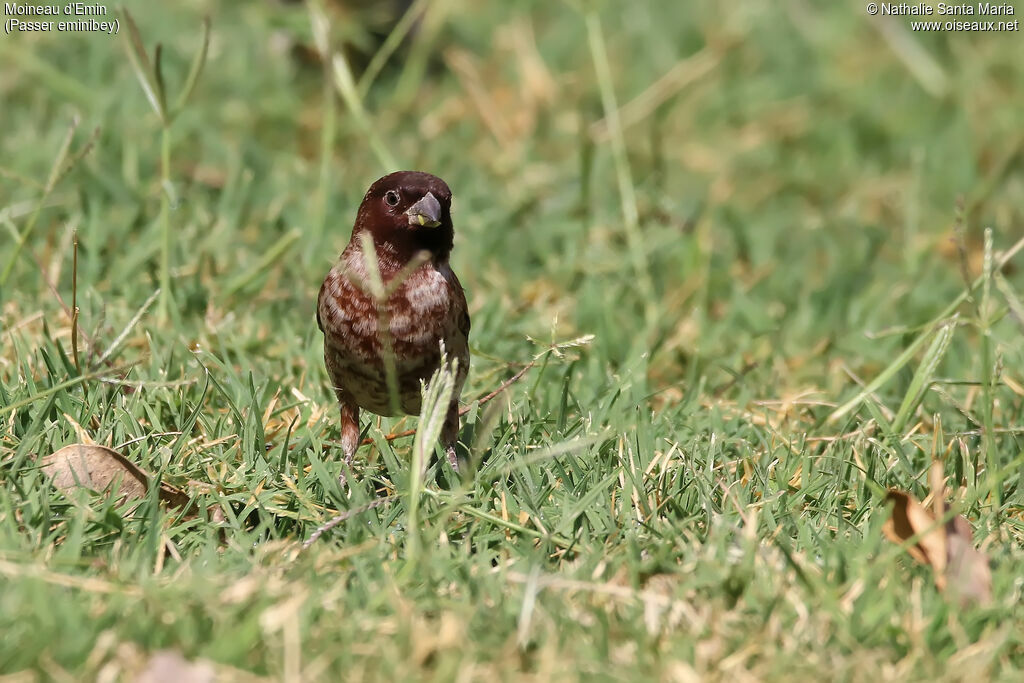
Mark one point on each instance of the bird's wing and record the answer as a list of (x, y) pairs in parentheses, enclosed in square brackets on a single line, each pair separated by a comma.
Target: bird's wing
[(319, 300), (461, 306)]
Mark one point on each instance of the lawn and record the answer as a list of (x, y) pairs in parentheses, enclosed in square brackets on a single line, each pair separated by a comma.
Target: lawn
[(757, 264)]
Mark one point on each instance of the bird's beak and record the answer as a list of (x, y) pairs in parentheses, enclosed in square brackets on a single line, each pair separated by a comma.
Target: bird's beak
[(426, 212)]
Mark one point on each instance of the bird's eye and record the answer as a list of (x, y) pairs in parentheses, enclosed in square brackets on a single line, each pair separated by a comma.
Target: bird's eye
[(391, 197)]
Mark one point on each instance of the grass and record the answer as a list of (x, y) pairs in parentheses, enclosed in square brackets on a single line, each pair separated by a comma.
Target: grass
[(730, 238)]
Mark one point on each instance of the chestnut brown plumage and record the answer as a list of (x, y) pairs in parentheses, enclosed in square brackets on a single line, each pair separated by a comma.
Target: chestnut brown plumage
[(408, 216)]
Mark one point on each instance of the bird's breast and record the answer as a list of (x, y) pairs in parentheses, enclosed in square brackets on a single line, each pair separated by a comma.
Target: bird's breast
[(375, 347), (418, 316)]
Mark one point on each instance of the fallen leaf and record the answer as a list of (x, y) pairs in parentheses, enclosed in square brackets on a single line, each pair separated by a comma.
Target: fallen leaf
[(968, 576), (960, 570), (99, 468), (909, 519)]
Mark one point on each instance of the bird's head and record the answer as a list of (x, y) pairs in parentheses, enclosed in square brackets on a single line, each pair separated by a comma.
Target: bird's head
[(408, 212)]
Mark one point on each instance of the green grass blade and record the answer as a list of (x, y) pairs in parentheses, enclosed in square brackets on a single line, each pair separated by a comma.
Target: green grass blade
[(924, 374), (152, 86), (346, 86), (623, 173), (56, 172), (437, 396), (195, 70), (398, 33), (904, 357)]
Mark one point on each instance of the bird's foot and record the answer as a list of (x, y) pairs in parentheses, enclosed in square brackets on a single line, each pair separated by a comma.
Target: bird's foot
[(349, 438), (453, 459), (342, 478)]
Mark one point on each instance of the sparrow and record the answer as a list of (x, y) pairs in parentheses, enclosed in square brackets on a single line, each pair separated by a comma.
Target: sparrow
[(407, 215)]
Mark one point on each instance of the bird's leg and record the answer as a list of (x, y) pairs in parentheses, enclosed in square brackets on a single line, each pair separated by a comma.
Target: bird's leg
[(349, 431), (450, 434)]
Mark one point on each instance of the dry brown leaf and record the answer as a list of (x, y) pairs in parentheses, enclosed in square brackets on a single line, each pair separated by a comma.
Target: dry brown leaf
[(960, 570), (910, 518), (968, 576), (99, 468)]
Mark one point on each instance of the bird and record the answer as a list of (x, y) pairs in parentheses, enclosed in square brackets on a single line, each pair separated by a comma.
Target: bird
[(422, 318)]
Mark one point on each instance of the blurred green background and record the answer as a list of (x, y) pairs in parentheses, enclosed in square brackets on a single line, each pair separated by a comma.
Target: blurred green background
[(739, 213)]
